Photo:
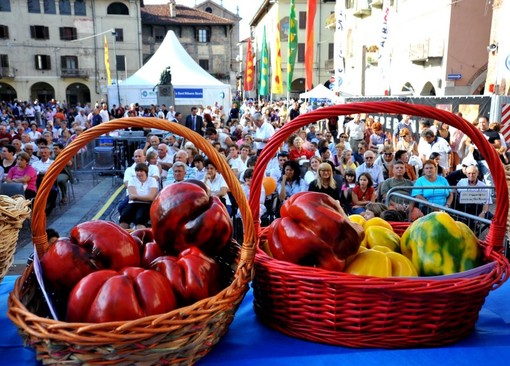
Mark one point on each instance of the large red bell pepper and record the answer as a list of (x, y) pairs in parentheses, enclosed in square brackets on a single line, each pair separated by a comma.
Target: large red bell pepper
[(132, 293), (149, 249), (313, 231), (193, 275), (184, 215), (92, 245)]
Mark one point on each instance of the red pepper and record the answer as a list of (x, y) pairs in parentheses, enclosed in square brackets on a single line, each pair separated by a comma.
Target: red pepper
[(93, 245), (66, 263), (193, 275), (111, 245), (184, 215), (314, 231), (149, 249), (132, 293)]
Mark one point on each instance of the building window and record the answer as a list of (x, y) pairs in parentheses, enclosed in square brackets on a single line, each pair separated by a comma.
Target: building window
[(301, 52), (331, 51), (302, 20), (203, 35), (42, 62), (159, 33), (80, 8), (208, 10), (117, 9), (39, 32), (204, 64), (68, 33), (121, 63), (4, 32), (69, 63), (34, 6), (64, 7), (349, 4), (5, 5), (119, 35), (50, 7), (4, 61)]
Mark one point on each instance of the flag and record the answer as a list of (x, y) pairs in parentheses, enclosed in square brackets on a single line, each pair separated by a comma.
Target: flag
[(264, 67), (107, 62), (309, 43), (384, 62), (292, 45), (339, 47), (277, 83), (249, 72)]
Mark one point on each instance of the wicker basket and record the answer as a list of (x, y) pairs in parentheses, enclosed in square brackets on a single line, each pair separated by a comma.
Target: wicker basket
[(13, 212), (362, 311), (182, 336)]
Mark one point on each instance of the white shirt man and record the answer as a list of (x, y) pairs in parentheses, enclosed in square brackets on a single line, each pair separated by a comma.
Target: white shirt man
[(263, 132), (355, 129), (104, 113), (369, 167), (165, 160), (430, 143)]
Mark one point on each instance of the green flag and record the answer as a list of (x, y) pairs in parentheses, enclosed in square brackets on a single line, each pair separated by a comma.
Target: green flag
[(264, 67), (292, 44)]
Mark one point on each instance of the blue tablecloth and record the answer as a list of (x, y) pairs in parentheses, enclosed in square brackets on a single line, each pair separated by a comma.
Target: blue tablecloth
[(248, 342)]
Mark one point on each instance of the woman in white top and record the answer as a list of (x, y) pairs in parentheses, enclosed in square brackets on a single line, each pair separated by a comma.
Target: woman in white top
[(312, 172), (142, 190), (34, 133), (217, 184)]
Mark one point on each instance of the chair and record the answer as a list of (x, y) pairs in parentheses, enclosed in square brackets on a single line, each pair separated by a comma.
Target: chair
[(12, 189)]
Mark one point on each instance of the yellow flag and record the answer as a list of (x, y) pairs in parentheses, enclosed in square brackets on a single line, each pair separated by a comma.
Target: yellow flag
[(277, 84), (107, 62)]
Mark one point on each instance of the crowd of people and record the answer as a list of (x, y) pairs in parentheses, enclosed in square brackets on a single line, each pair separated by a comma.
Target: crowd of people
[(354, 159)]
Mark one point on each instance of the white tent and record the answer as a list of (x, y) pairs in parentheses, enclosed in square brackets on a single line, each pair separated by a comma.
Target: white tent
[(192, 84), (319, 92)]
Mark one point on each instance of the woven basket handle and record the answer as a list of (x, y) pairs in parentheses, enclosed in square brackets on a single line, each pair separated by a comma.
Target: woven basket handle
[(496, 235), (39, 216)]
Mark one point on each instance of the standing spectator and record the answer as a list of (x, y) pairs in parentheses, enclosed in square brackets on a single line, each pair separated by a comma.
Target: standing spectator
[(263, 132), (105, 116), (293, 112), (355, 129), (195, 122)]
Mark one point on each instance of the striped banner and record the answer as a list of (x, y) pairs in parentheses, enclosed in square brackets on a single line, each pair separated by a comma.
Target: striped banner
[(505, 121)]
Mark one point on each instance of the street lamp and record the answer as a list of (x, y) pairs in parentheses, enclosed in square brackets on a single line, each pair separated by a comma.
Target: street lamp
[(114, 34)]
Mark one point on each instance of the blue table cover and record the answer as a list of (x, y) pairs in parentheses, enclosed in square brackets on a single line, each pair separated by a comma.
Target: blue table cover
[(248, 342)]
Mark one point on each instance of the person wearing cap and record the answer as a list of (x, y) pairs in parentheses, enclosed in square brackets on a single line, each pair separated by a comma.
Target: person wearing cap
[(454, 177), (263, 132)]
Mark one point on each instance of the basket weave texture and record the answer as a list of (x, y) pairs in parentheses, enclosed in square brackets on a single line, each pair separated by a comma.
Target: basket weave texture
[(182, 336), (363, 311), (13, 212)]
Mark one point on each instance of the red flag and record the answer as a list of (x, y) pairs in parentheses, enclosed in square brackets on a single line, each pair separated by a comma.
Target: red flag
[(249, 72), (309, 43)]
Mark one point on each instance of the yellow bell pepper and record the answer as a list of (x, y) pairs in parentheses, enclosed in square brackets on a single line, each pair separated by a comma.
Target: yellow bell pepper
[(381, 261), (379, 235)]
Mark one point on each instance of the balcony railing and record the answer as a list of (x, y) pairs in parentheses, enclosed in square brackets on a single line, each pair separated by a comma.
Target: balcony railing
[(7, 72), (74, 73)]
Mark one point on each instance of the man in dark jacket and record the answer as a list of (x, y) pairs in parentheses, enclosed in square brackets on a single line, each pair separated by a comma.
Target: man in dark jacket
[(195, 122)]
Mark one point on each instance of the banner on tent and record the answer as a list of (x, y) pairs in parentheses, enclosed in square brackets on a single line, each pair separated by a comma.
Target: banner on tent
[(188, 93), (147, 94)]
